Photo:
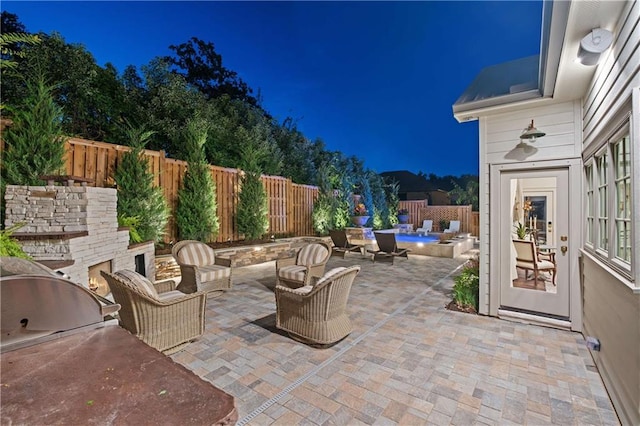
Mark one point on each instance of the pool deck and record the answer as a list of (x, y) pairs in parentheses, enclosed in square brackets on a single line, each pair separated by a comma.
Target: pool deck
[(408, 361)]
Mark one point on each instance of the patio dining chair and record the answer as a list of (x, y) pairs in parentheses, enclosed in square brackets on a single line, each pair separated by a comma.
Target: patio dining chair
[(200, 269), (159, 315), (529, 258), (316, 314), (387, 247), (341, 245), (309, 262), (427, 226)]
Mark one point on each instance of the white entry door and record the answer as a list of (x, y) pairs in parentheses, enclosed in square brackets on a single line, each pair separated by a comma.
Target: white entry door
[(539, 203)]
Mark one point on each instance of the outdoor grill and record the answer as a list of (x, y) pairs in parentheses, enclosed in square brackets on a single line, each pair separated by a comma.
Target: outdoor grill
[(65, 360)]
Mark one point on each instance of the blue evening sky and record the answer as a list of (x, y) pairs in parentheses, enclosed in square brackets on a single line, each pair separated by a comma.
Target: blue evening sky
[(371, 79)]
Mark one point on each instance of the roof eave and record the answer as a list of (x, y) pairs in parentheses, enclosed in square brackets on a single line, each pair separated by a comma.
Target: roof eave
[(554, 24), (470, 111)]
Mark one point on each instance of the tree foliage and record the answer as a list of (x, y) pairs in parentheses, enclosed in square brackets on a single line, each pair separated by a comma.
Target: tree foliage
[(252, 217), (137, 196), (470, 194), (196, 214), (34, 142), (201, 66)]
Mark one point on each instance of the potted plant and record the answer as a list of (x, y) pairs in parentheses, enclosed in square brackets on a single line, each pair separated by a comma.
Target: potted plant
[(521, 231), (403, 216), (360, 215)]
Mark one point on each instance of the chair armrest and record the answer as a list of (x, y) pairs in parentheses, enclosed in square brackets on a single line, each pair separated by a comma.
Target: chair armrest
[(223, 261), (551, 256), (164, 286), (182, 299)]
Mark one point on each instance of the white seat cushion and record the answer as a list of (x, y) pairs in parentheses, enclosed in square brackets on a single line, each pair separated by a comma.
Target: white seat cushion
[(169, 295), (213, 272), (330, 274), (293, 273)]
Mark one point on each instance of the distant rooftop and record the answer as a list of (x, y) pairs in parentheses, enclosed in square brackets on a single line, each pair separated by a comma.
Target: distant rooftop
[(497, 84)]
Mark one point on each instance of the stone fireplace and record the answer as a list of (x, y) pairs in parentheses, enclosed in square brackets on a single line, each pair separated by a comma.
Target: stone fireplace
[(74, 230)]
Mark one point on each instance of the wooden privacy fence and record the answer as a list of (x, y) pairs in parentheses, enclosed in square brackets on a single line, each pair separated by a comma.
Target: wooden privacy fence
[(414, 207), (449, 213), (290, 205)]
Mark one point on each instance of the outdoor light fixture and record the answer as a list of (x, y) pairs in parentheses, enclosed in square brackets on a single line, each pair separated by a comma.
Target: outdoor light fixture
[(531, 133), (592, 46)]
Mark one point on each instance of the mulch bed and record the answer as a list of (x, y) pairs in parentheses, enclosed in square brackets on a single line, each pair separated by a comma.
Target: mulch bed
[(453, 306)]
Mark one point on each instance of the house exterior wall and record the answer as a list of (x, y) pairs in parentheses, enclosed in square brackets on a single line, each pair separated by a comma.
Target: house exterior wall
[(611, 301), (499, 136)]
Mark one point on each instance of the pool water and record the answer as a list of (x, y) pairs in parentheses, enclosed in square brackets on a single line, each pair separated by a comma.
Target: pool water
[(416, 238)]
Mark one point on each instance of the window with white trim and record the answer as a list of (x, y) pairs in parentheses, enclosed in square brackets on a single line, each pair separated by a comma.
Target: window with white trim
[(621, 153), (609, 201), (602, 242), (588, 172)]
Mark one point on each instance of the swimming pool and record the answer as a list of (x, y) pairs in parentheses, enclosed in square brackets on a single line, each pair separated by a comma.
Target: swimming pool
[(414, 237)]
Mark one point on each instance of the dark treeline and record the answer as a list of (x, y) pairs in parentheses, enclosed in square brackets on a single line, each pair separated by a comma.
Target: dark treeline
[(101, 103), (162, 96)]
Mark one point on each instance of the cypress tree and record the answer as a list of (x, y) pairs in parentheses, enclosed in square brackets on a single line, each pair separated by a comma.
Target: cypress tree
[(34, 142), (252, 217), (196, 215), (138, 198)]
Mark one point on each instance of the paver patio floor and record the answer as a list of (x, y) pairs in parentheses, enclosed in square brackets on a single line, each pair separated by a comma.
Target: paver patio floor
[(408, 361)]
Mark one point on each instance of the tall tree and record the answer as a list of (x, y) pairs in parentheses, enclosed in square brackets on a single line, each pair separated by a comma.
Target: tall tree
[(138, 198), (199, 63), (35, 145), (252, 217), (196, 214)]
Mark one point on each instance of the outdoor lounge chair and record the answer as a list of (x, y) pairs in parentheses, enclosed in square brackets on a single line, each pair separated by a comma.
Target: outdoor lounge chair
[(427, 226), (454, 227), (309, 262), (387, 247), (316, 313), (162, 317), (341, 245), (200, 269), (529, 258)]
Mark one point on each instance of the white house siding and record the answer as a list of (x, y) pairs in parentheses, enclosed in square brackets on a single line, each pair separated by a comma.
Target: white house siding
[(611, 302), (499, 137)]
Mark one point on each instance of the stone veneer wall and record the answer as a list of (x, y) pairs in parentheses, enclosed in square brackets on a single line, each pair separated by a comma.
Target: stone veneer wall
[(53, 214)]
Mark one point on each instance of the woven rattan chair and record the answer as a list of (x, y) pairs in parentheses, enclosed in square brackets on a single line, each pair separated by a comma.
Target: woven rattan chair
[(160, 316), (309, 262), (341, 245), (317, 314), (200, 269), (387, 248)]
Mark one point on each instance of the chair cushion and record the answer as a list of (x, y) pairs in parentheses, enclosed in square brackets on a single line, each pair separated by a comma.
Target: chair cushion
[(545, 264), (293, 272), (312, 254), (169, 295), (213, 272), (329, 275), (198, 254), (138, 281)]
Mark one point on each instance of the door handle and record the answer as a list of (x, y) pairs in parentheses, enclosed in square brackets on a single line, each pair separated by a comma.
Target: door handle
[(563, 249)]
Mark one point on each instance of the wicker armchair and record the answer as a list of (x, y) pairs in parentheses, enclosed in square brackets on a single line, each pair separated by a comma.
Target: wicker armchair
[(200, 269), (159, 315), (316, 314), (309, 262)]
